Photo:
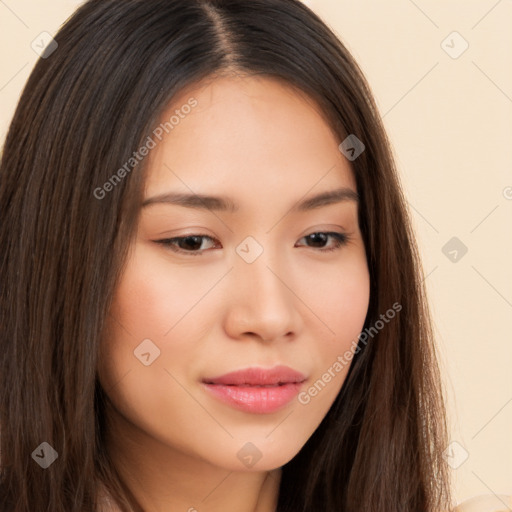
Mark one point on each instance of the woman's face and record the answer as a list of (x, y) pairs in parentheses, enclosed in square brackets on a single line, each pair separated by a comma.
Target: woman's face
[(267, 284)]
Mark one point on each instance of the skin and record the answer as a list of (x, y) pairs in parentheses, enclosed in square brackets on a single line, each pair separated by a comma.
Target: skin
[(266, 146)]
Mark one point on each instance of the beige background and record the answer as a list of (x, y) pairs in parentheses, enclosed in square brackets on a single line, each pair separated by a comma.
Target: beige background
[(450, 122)]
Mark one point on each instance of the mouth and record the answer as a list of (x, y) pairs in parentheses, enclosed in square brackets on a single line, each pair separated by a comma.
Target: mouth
[(257, 376), (251, 385), (256, 390)]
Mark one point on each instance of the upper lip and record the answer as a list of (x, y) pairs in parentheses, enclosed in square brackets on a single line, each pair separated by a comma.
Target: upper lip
[(257, 376)]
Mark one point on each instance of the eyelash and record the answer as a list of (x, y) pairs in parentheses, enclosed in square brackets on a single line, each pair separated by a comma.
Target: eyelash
[(341, 239)]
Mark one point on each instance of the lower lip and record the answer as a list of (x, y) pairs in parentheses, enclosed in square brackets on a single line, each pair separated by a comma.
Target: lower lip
[(255, 399)]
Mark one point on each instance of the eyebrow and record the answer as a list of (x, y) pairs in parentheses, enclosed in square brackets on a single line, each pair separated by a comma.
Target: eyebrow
[(221, 203)]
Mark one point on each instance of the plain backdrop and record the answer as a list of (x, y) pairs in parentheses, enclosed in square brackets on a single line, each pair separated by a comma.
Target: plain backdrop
[(441, 73)]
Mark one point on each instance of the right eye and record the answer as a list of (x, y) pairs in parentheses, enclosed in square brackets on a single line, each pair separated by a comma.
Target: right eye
[(185, 244)]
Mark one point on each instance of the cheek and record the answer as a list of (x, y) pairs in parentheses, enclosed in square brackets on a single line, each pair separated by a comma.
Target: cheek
[(150, 300), (153, 304), (150, 303), (351, 305), (341, 302), (339, 296)]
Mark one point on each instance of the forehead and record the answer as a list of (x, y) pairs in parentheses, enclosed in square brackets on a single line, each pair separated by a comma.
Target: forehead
[(249, 136)]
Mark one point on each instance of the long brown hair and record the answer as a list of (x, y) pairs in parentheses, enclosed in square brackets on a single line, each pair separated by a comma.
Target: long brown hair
[(84, 111)]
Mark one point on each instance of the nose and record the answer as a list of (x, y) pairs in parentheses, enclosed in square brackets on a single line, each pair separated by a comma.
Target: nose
[(262, 303)]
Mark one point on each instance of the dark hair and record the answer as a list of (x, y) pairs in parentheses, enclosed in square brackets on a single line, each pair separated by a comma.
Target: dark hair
[(84, 111)]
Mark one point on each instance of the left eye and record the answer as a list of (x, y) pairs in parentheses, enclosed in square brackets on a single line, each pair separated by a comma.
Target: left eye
[(191, 243)]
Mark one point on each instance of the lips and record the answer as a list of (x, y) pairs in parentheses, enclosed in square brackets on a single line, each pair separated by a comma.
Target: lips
[(256, 390), (279, 375)]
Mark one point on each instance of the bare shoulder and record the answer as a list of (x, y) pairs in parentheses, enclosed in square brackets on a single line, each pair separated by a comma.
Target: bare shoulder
[(486, 503)]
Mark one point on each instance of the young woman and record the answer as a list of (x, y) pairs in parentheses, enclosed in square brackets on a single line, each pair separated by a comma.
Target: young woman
[(211, 294)]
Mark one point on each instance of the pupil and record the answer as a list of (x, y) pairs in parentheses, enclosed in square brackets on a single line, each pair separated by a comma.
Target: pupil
[(197, 239), (318, 237)]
